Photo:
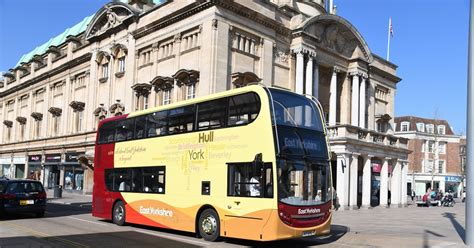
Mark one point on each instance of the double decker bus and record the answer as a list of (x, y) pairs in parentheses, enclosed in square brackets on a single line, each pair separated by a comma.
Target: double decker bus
[(249, 163)]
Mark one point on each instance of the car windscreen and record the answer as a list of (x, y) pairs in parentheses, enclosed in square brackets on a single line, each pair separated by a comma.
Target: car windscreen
[(24, 187)]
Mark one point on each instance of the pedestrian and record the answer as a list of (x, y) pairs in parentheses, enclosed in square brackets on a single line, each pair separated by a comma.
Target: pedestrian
[(413, 194)]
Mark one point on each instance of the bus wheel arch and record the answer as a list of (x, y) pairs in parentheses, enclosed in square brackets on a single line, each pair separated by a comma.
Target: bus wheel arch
[(209, 213), (118, 212)]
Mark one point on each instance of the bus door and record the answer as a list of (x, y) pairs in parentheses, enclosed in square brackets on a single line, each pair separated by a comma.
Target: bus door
[(250, 201)]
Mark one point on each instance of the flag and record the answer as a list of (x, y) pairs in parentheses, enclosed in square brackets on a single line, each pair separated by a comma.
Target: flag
[(390, 28)]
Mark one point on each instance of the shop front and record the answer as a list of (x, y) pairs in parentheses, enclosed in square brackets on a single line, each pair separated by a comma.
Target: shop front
[(452, 184), (52, 175), (5, 167), (375, 191), (34, 167), (19, 163), (73, 172)]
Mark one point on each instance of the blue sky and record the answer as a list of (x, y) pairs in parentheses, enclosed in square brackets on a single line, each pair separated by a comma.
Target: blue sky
[(429, 44)]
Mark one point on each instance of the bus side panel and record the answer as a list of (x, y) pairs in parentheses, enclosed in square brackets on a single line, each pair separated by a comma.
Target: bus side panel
[(101, 198)]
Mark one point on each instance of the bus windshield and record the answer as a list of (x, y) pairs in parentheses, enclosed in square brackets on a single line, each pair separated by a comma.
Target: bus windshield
[(303, 182), (302, 153)]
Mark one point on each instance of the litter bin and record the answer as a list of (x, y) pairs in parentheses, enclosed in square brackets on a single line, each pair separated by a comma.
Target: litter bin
[(58, 191)]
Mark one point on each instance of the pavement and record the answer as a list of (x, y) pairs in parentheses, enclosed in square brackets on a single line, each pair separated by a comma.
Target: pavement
[(69, 198), (68, 223)]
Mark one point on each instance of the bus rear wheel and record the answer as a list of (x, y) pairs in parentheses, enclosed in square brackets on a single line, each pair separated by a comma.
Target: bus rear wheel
[(209, 225), (118, 214)]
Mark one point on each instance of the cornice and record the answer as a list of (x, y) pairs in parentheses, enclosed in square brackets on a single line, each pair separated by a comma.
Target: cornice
[(377, 71), (82, 59), (200, 6)]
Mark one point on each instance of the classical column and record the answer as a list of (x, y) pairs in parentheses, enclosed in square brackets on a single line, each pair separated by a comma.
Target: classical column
[(316, 79), (353, 177), (333, 98), (384, 183), (366, 181), (299, 71), (342, 186), (371, 106), (309, 75), (362, 103), (396, 184), (404, 183), (355, 100)]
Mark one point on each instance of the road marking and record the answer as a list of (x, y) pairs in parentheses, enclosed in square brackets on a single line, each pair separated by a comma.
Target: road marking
[(173, 238), (45, 236), (93, 222)]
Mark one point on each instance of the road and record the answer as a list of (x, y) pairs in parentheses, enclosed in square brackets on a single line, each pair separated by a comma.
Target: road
[(73, 226)]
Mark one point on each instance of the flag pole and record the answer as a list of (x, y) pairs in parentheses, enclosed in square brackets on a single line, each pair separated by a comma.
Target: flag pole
[(388, 38), (469, 231)]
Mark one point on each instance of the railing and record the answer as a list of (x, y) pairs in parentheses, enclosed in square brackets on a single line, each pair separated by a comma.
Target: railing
[(339, 132)]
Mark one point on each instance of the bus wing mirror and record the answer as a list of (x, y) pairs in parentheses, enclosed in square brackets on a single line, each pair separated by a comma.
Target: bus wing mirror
[(258, 159)]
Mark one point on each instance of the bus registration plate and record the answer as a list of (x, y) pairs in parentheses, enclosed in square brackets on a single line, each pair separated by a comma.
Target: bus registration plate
[(308, 233)]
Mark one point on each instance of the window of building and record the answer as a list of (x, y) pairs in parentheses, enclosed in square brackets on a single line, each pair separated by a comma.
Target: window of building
[(78, 120), (405, 126), (250, 180), (56, 124), (166, 49), (137, 179), (441, 129), (145, 57), (442, 147), (22, 132), (431, 147), (190, 40), (245, 42), (190, 91), (166, 97), (420, 127), (430, 128), (37, 128), (441, 168), (427, 166), (9, 134), (121, 64), (105, 70)]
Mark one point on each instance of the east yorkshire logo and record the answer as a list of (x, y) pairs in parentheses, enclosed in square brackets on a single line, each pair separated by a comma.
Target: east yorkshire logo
[(309, 211)]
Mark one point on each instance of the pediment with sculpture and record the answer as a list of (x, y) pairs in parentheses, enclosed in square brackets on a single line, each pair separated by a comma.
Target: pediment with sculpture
[(336, 34), (109, 17)]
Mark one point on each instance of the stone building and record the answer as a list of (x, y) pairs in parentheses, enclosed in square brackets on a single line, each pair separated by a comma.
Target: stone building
[(437, 153), (136, 54)]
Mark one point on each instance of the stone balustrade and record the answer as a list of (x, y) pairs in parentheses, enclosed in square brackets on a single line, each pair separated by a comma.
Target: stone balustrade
[(338, 132)]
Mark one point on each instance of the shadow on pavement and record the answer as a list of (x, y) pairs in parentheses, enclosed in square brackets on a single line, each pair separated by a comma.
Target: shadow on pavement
[(54, 210), (337, 231), (112, 239), (458, 227), (426, 234)]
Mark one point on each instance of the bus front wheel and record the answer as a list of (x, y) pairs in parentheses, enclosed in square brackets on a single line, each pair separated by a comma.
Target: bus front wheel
[(209, 225), (118, 214)]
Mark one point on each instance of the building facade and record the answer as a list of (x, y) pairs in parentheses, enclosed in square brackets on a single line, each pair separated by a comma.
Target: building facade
[(437, 157), (135, 54)]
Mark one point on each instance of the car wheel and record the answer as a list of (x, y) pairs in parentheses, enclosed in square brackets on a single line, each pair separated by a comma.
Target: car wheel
[(209, 225), (118, 214), (40, 214)]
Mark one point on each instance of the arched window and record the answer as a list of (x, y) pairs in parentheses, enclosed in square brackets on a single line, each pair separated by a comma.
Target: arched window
[(187, 80), (163, 86)]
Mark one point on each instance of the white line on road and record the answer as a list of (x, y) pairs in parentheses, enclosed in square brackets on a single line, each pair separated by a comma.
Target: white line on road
[(173, 238), (93, 222)]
